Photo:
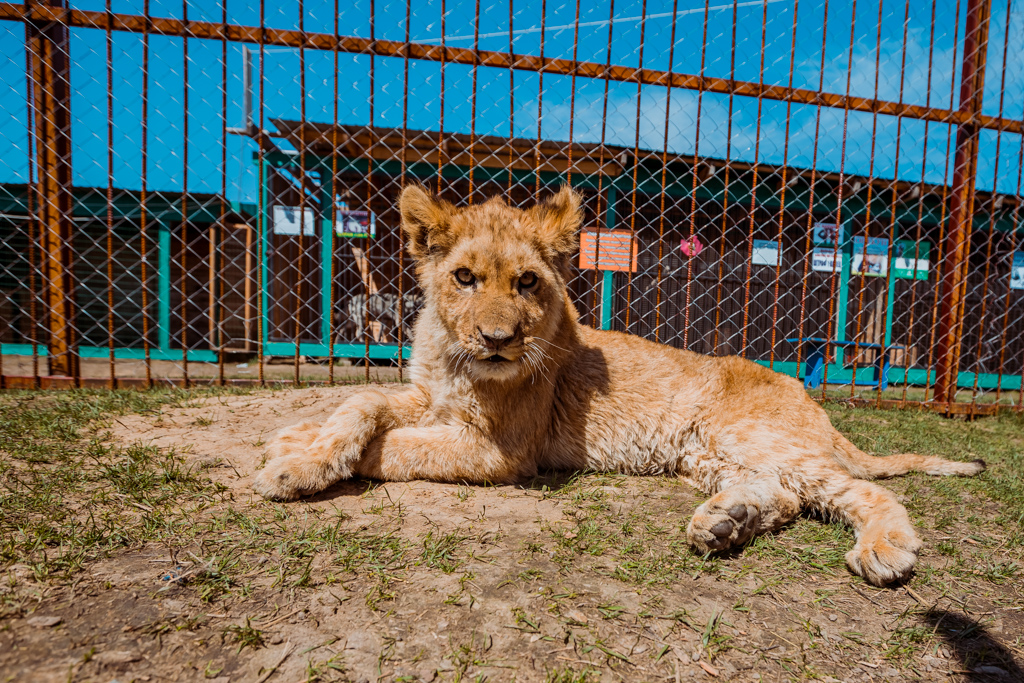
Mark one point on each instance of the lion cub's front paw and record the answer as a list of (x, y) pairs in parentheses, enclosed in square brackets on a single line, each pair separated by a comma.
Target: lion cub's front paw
[(284, 479), (304, 464), (713, 529)]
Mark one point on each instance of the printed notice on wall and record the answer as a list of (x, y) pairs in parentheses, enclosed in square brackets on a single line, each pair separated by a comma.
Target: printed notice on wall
[(827, 233), (826, 260), (609, 248), (1017, 271), (910, 260), (351, 223), (286, 221), (872, 260), (766, 253)]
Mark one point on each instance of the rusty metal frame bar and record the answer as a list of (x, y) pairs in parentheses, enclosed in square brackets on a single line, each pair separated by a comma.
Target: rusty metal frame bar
[(889, 276), (301, 258), (47, 44), (636, 163), (961, 208), (392, 48), (664, 171)]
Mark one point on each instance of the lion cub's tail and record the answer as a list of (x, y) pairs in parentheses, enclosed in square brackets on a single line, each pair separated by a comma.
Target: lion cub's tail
[(863, 466)]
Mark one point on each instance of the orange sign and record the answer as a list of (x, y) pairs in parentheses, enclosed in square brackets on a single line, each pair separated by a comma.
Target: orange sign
[(612, 248)]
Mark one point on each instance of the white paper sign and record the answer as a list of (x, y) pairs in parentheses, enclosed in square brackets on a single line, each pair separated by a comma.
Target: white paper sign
[(766, 253), (911, 264), (286, 221), (1017, 271), (871, 260), (354, 223), (826, 260), (827, 233)]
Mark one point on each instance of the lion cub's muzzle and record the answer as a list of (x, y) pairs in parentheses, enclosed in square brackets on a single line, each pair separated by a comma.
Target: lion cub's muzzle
[(498, 342)]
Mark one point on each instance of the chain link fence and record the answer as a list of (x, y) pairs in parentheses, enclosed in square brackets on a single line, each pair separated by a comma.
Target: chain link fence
[(208, 192)]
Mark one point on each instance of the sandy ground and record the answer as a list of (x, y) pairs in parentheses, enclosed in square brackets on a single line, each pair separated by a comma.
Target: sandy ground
[(524, 599)]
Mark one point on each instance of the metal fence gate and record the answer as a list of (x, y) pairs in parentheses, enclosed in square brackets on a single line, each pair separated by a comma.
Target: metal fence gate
[(829, 187)]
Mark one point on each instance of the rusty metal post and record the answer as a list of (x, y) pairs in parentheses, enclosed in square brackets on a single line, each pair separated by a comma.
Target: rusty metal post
[(961, 201), (51, 94)]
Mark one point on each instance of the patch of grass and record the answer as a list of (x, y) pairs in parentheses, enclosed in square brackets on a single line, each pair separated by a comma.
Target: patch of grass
[(470, 654), (68, 495), (525, 622), (214, 580), (570, 675), (713, 640), (906, 641), (245, 636), (333, 668), (441, 551)]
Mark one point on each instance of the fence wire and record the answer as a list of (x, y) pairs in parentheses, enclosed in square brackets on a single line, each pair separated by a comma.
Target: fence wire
[(208, 192)]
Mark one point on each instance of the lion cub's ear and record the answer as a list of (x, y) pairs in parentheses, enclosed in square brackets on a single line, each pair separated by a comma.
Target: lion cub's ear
[(558, 221), (426, 222)]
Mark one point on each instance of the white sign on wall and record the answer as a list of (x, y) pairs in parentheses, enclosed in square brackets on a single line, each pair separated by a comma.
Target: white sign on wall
[(286, 221), (354, 223), (827, 233), (1017, 271), (826, 260), (765, 253)]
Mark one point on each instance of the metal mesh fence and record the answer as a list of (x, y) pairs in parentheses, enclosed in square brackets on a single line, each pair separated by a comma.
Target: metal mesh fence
[(207, 192)]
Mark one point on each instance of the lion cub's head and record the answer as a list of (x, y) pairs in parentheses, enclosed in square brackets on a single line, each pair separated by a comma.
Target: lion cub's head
[(494, 278)]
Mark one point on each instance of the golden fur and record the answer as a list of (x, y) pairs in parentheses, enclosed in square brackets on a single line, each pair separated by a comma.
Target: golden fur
[(566, 396)]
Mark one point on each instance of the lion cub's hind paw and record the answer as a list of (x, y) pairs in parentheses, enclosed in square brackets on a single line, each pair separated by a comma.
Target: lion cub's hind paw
[(884, 559), (714, 529)]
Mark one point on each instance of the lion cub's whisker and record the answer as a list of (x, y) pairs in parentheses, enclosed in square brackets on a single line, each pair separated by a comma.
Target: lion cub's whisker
[(552, 343)]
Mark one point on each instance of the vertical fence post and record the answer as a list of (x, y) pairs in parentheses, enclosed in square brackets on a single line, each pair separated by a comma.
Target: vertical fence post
[(961, 201), (51, 95)]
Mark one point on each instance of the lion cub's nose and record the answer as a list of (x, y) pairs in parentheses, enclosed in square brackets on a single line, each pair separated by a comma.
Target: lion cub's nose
[(495, 337)]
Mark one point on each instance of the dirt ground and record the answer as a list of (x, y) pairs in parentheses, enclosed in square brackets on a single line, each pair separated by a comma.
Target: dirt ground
[(570, 578)]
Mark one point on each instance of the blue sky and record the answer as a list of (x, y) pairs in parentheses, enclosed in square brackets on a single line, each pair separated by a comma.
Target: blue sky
[(282, 94)]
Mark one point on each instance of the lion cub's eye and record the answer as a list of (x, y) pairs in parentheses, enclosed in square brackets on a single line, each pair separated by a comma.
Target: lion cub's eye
[(465, 276), (527, 280)]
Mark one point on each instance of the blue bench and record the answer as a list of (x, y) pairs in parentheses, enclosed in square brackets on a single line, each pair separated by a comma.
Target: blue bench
[(815, 348)]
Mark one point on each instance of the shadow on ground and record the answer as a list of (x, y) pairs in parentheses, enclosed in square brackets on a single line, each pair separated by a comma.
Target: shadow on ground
[(980, 654)]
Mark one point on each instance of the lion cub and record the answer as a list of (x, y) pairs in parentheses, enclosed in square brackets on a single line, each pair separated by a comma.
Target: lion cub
[(506, 382)]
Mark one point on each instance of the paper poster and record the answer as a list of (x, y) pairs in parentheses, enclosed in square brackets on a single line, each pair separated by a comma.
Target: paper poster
[(766, 253), (1017, 271), (827, 234), (349, 223), (826, 260), (612, 247), (910, 260), (872, 261), (286, 221)]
